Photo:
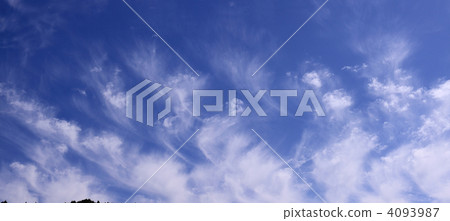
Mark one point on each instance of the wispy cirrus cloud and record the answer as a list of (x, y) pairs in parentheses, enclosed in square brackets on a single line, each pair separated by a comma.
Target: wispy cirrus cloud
[(394, 170), (385, 137)]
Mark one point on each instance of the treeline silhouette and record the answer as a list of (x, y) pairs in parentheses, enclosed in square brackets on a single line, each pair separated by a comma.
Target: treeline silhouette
[(73, 201), (84, 201)]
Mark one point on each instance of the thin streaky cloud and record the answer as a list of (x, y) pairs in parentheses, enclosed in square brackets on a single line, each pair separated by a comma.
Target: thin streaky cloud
[(287, 164), (159, 36), (179, 148), (304, 23)]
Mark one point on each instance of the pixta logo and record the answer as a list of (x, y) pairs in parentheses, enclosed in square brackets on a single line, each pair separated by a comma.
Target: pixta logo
[(141, 93), (253, 101), (148, 93)]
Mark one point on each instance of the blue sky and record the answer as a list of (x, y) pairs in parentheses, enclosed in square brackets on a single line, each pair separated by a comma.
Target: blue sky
[(379, 69)]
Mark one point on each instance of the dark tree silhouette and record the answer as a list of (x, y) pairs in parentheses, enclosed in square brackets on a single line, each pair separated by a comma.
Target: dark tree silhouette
[(84, 201), (4, 201)]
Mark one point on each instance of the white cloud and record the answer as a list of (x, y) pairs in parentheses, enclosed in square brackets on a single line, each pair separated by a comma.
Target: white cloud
[(395, 97), (241, 168), (49, 177), (437, 122), (417, 170), (442, 92), (387, 49), (340, 165), (430, 170), (114, 97), (170, 184), (130, 168), (16, 191), (387, 181), (352, 167), (236, 166), (355, 68), (393, 178), (39, 119), (312, 78), (104, 147), (337, 100), (31, 184), (180, 118), (389, 81), (239, 104), (356, 165)]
